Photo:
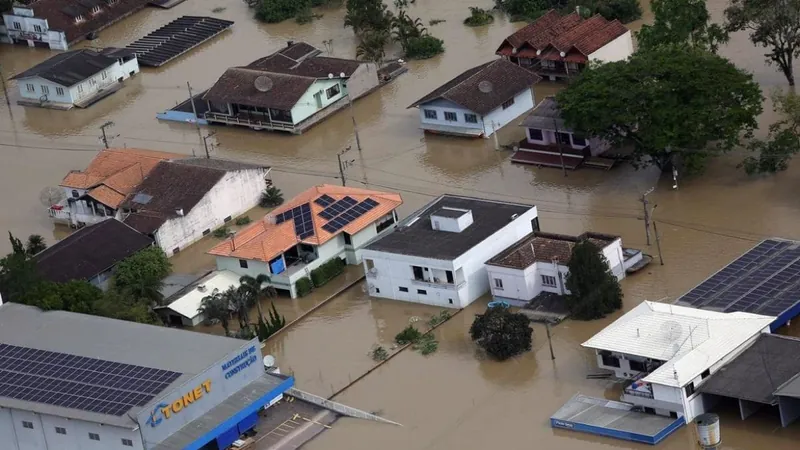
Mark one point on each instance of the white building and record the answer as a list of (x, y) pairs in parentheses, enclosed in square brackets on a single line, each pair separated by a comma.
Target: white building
[(184, 308), (320, 224), (666, 351), (76, 78), (436, 256), (78, 382), (182, 200), (538, 263), (21, 26), (559, 47), (479, 101)]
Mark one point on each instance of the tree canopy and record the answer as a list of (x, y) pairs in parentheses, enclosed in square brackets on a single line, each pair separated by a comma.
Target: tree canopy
[(666, 103), (502, 333), (681, 22), (594, 290), (367, 15), (783, 142), (772, 24), (141, 274)]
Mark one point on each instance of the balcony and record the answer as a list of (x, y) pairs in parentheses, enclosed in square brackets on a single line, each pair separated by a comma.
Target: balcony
[(250, 120), (431, 284), (59, 214), (641, 392)]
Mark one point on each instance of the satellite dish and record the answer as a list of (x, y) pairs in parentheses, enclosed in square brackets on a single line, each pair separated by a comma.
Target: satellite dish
[(263, 83), (51, 195), (269, 361), (485, 86), (672, 330)]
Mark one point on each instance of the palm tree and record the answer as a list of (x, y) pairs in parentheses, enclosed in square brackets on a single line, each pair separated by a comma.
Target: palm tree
[(216, 307), (259, 288), (372, 46), (35, 244), (405, 28), (240, 302), (271, 197)]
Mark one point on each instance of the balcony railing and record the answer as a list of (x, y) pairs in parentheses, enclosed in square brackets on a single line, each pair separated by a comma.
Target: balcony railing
[(645, 392), (450, 286), (243, 119)]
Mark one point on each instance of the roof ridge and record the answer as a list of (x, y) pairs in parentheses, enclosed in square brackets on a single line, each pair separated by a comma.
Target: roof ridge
[(249, 69), (482, 67)]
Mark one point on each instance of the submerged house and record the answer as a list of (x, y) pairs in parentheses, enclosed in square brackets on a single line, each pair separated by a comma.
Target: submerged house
[(314, 227), (478, 102), (549, 142), (289, 90), (76, 78), (558, 47), (20, 26)]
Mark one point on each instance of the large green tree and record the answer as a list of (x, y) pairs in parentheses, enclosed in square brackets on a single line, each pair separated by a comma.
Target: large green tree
[(671, 102), (502, 333), (594, 290), (783, 142), (681, 22), (141, 275), (259, 288), (367, 15), (216, 307), (772, 24)]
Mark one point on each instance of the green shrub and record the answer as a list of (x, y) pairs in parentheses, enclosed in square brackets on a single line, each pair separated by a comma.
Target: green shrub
[(424, 47), (624, 10), (409, 335), (244, 220), (328, 271), (274, 11), (478, 17), (304, 16), (426, 344), (222, 232), (438, 318), (379, 354), (303, 286)]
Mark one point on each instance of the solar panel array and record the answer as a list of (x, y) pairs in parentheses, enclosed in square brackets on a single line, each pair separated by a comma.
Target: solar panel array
[(337, 208), (303, 224), (349, 215), (765, 280), (176, 38), (324, 200), (78, 382)]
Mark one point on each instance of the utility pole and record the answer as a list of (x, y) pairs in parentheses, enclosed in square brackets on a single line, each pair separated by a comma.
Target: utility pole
[(103, 129), (494, 135), (549, 340), (194, 111), (205, 143), (343, 164), (560, 150), (658, 243), (645, 202), (352, 114), (5, 88)]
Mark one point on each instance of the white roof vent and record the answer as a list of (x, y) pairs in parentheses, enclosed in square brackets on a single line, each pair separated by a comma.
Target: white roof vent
[(452, 220)]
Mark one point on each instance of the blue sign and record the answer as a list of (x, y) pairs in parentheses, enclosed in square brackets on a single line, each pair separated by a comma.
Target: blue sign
[(156, 417), (240, 362)]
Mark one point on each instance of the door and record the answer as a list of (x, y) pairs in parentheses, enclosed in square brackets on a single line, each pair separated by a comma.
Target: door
[(318, 98)]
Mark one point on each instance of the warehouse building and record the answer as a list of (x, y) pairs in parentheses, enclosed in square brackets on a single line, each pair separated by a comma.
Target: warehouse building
[(72, 382)]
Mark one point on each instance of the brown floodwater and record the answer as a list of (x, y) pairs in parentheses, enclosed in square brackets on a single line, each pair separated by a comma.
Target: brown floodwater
[(453, 399)]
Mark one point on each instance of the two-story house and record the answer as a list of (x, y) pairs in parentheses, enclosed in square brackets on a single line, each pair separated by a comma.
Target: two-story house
[(436, 255), (289, 90), (320, 224), (76, 78), (558, 47), (479, 101), (22, 26)]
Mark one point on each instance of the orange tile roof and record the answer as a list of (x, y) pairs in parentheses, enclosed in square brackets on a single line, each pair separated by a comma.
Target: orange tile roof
[(264, 240), (117, 171)]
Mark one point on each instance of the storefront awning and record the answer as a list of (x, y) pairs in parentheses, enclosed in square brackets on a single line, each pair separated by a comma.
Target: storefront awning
[(227, 415)]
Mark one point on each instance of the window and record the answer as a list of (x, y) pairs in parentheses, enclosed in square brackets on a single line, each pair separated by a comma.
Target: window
[(430, 114), (80, 89), (547, 280), (78, 19), (417, 273), (45, 89), (637, 366), (563, 138), (402, 289), (577, 140), (127, 442), (450, 300), (450, 116), (470, 118), (535, 134), (243, 263), (30, 87), (377, 290), (347, 240), (609, 360), (385, 222), (59, 91), (508, 103), (176, 250), (60, 430), (37, 28), (706, 373), (17, 26), (94, 436), (96, 9), (227, 219), (449, 276), (104, 75), (92, 82), (332, 91), (689, 389), (498, 284), (26, 424), (422, 292), (206, 231), (75, 194)]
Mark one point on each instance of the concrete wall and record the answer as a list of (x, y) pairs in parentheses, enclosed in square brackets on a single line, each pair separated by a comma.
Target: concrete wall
[(617, 50), (237, 192), (440, 106), (500, 117), (307, 105), (363, 80), (27, 31), (43, 436), (42, 87)]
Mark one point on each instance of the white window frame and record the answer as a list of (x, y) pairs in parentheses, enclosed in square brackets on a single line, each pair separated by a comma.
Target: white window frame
[(470, 118), (59, 91), (104, 75), (61, 430), (17, 26), (546, 281), (431, 114), (127, 442), (498, 284), (27, 424), (30, 87), (45, 89), (508, 103), (37, 28), (80, 88), (450, 116), (94, 437)]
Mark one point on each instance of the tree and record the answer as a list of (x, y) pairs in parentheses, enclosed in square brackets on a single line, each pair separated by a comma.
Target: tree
[(35, 245), (681, 22), (666, 103), (478, 17), (502, 333), (241, 302), (405, 28), (259, 288), (623, 10), (215, 307), (783, 141), (17, 247), (271, 197), (367, 15), (78, 296), (274, 11), (121, 306), (372, 46), (141, 275), (268, 328), (594, 290), (5, 5), (774, 25)]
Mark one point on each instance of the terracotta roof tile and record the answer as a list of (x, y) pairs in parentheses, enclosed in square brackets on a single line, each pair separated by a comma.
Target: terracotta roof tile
[(594, 41), (264, 240), (524, 34), (107, 196), (60, 15), (111, 161), (585, 29), (545, 247)]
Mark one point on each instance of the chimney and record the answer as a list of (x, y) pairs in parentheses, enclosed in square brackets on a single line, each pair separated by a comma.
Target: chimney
[(289, 43), (233, 242), (179, 212)]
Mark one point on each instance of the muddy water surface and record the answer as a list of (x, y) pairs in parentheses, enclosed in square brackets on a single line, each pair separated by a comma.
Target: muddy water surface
[(453, 399)]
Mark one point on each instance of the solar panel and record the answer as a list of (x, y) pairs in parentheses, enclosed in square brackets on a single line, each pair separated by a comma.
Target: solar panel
[(78, 382), (324, 200)]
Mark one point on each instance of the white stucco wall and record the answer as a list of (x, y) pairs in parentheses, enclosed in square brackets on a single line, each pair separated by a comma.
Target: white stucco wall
[(56, 40), (500, 117), (234, 194), (307, 105), (441, 106), (43, 436), (617, 50)]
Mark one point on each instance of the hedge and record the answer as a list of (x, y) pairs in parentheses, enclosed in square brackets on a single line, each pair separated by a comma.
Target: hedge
[(303, 286), (327, 271)]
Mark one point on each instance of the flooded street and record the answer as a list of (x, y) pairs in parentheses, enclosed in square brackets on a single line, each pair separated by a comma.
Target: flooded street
[(451, 399)]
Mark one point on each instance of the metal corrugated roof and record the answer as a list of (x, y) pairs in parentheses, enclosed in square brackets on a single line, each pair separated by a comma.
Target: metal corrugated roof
[(689, 340), (188, 304)]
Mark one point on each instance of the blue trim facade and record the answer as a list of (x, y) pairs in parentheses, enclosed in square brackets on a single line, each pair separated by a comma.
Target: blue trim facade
[(244, 415), (618, 434), (785, 317), (180, 116)]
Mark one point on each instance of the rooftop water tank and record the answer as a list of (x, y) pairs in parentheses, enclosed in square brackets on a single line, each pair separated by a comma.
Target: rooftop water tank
[(708, 431)]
